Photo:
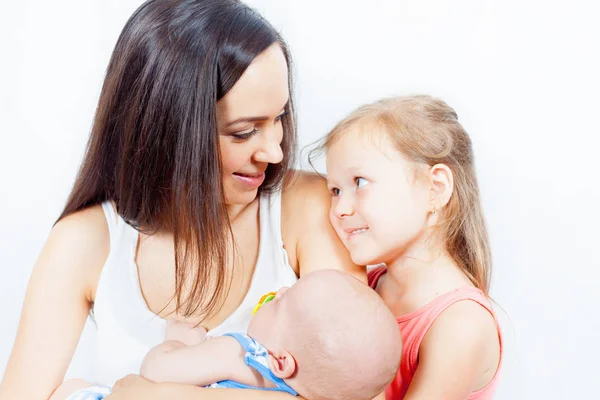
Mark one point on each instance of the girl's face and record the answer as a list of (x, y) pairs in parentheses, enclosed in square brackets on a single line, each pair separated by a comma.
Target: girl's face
[(379, 207), (249, 123)]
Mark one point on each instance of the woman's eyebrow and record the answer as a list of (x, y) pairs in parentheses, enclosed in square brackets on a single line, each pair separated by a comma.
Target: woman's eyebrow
[(253, 119), (246, 119)]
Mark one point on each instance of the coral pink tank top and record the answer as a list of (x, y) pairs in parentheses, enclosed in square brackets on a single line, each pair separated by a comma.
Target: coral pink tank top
[(415, 325)]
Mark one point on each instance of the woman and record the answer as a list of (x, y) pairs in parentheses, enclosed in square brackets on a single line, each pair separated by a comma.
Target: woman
[(184, 206)]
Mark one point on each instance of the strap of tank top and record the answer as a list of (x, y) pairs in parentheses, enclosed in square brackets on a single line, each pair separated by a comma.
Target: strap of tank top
[(270, 207), (111, 217), (272, 204), (374, 275)]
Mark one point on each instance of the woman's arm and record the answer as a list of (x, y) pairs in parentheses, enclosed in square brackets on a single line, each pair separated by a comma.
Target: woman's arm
[(459, 354), (56, 305), (305, 224)]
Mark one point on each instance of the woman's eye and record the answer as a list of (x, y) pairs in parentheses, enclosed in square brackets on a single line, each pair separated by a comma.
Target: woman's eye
[(245, 135), (280, 117), (360, 182)]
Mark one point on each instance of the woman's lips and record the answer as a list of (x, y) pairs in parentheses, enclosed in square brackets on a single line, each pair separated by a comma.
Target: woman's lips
[(250, 180)]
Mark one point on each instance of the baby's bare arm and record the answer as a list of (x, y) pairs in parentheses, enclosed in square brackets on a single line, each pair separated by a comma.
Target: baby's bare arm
[(210, 361), (136, 387), (69, 387)]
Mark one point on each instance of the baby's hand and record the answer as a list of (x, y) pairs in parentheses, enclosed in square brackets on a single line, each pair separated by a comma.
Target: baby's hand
[(184, 332)]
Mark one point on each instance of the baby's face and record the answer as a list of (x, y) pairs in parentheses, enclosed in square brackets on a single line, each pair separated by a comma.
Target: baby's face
[(267, 324), (305, 301)]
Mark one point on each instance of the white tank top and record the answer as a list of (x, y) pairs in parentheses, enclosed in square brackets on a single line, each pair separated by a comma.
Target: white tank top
[(127, 329)]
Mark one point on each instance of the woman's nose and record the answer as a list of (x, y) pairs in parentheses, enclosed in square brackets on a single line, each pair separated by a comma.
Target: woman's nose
[(270, 149)]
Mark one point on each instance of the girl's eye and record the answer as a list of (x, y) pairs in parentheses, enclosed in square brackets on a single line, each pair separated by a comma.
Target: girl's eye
[(335, 192), (244, 136), (360, 182)]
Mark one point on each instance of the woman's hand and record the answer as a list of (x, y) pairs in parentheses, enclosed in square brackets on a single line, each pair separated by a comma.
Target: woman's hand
[(135, 387)]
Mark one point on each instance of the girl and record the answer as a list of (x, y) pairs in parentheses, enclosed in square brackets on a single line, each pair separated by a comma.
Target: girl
[(184, 206), (405, 194)]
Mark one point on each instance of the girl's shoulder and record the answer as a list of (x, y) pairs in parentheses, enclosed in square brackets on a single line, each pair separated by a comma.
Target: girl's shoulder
[(468, 333)]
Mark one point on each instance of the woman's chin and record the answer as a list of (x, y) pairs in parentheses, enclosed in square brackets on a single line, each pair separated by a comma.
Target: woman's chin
[(241, 198)]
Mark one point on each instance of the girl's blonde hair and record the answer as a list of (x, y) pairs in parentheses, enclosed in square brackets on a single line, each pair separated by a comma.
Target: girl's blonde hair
[(426, 130)]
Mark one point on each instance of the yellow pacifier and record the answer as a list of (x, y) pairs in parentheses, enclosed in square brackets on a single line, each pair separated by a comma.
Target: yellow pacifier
[(264, 300)]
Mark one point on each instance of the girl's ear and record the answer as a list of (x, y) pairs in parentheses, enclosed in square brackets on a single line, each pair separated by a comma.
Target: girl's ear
[(282, 364), (441, 181)]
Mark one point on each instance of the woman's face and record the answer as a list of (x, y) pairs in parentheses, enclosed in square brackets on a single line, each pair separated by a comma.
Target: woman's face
[(249, 124)]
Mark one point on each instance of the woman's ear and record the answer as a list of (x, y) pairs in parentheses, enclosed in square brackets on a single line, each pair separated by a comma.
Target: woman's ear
[(441, 181), (282, 364)]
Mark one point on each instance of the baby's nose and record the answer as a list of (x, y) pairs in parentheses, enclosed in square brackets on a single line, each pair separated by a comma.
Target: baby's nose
[(281, 291)]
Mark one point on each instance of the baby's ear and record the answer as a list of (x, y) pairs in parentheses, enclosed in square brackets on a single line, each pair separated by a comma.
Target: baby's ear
[(282, 364)]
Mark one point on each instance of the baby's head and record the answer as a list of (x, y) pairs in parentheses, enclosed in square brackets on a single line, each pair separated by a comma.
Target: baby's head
[(403, 184), (330, 336)]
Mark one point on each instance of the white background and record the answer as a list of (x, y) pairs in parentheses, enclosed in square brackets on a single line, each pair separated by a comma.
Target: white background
[(522, 75)]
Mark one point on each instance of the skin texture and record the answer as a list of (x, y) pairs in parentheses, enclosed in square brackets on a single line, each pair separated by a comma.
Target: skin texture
[(382, 210), (64, 280)]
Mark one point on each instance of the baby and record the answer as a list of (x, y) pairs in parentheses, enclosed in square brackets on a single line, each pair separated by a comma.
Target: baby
[(327, 337)]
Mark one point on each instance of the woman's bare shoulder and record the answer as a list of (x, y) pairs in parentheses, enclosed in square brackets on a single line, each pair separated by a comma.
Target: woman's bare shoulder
[(85, 230), (305, 200), (305, 189), (307, 233), (78, 245)]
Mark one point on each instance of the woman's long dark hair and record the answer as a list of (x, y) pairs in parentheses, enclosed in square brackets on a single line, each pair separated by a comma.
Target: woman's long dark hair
[(154, 147)]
